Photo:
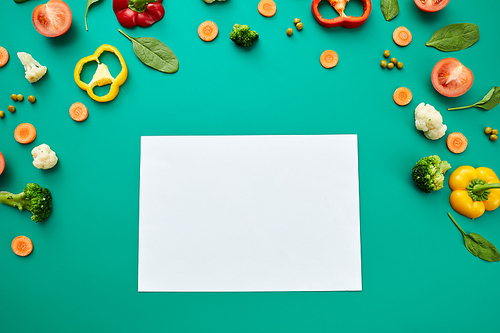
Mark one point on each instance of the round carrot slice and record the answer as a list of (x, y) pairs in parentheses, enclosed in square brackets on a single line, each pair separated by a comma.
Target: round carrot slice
[(456, 142), (329, 59), (267, 8), (78, 111), (208, 30), (402, 96), (401, 36), (22, 246), (25, 133), (4, 56)]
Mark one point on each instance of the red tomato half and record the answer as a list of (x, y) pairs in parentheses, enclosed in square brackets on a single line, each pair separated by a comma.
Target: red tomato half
[(431, 5), (450, 78), (53, 18), (2, 163)]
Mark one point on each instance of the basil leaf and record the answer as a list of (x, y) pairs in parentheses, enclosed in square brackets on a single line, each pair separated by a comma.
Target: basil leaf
[(478, 245), (488, 102), (154, 53), (89, 3), (454, 37), (390, 9)]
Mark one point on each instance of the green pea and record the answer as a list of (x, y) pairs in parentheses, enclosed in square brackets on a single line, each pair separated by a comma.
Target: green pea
[(13, 97), (383, 64), (493, 137), (399, 65), (20, 97), (296, 21), (387, 53), (2, 114), (487, 130), (390, 65), (299, 26), (31, 99), (495, 131), (11, 108), (289, 31), (394, 60)]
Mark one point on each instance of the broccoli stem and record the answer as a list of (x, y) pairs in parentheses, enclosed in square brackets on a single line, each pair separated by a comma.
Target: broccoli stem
[(14, 200)]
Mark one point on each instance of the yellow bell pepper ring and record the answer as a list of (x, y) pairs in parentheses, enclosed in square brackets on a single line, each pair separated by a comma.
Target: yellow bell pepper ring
[(102, 75), (474, 191)]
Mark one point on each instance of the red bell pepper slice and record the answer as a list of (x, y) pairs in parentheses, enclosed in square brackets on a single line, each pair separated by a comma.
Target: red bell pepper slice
[(138, 12), (343, 20)]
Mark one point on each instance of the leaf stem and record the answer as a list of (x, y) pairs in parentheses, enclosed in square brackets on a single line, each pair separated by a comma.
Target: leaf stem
[(124, 34), (462, 107), (456, 224)]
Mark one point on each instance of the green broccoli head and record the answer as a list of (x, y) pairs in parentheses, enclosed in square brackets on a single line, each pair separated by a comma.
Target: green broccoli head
[(34, 198), (241, 35), (428, 173)]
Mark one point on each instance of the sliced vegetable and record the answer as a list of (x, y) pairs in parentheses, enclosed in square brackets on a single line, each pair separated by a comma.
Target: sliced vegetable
[(154, 53), (78, 111), (390, 9), (25, 133), (342, 20), (450, 78), (22, 246), (488, 102), (208, 30), (33, 70), (329, 59), (52, 19), (402, 36), (4, 56), (456, 142), (2, 163), (431, 5), (267, 8), (454, 37), (402, 96), (89, 3), (143, 13)]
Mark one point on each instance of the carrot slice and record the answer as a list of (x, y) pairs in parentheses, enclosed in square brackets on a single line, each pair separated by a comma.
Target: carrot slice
[(4, 56), (78, 111), (208, 30), (267, 8), (456, 142), (2, 163), (25, 133), (22, 246), (329, 59), (402, 96), (402, 36)]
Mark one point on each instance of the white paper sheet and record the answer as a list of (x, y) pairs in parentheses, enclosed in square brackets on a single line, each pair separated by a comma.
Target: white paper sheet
[(249, 213)]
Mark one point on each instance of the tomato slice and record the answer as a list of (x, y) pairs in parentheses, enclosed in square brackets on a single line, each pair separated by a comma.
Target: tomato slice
[(431, 5), (2, 163), (450, 78), (53, 18)]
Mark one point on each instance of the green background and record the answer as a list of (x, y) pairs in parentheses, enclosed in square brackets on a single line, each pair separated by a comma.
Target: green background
[(82, 274)]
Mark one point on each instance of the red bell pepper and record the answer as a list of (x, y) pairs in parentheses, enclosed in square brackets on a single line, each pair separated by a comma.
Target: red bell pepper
[(138, 12), (342, 20)]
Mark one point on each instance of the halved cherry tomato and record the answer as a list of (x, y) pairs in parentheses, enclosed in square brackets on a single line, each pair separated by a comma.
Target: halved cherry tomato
[(450, 78), (431, 5), (53, 18), (2, 163)]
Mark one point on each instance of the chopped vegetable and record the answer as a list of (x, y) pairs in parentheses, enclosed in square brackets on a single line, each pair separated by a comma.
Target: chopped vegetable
[(289, 31), (474, 191), (22, 246), (450, 78), (2, 163), (267, 8), (402, 36), (390, 9), (34, 199), (431, 5), (25, 133), (329, 59), (208, 30), (143, 13), (4, 56), (31, 99), (342, 20), (32, 68), (44, 157), (428, 173), (455, 37), (241, 35), (429, 121), (78, 111), (52, 19), (488, 102), (456, 142), (402, 96)]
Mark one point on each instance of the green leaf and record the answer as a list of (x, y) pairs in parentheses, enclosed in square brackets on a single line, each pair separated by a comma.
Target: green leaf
[(390, 9), (89, 3), (488, 102), (454, 37), (154, 53)]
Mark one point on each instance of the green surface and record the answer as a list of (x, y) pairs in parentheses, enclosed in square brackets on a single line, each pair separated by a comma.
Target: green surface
[(82, 274)]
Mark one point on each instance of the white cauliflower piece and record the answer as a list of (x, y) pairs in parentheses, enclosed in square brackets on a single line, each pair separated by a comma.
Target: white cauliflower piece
[(429, 121), (210, 1), (32, 68), (44, 157)]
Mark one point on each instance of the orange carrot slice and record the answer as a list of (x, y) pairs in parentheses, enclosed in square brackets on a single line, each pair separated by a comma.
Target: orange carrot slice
[(22, 246), (401, 36), (329, 59), (456, 142), (4, 56), (208, 30), (25, 133), (402, 96), (78, 111), (2, 163), (267, 8)]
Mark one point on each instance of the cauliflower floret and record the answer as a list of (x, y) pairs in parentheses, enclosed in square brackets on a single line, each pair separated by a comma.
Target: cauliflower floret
[(429, 121), (32, 68), (210, 1), (44, 157)]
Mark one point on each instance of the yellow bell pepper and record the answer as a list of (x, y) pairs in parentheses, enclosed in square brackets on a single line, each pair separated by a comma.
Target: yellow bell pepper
[(102, 75), (474, 191)]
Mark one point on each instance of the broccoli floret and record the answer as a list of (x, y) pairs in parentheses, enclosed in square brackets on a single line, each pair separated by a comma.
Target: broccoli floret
[(242, 35), (34, 198), (428, 173)]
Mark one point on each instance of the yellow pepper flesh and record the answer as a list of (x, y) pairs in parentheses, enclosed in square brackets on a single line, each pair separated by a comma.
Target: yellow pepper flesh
[(102, 75)]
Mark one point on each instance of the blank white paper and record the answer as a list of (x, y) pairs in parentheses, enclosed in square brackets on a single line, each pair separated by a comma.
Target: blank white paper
[(249, 213)]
